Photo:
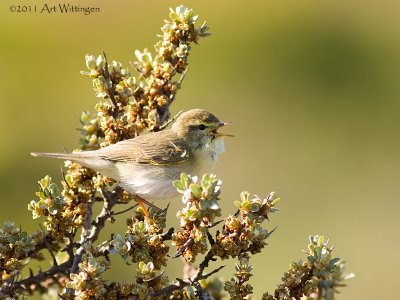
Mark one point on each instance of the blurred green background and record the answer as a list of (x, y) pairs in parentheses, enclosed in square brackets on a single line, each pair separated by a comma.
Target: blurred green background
[(312, 88)]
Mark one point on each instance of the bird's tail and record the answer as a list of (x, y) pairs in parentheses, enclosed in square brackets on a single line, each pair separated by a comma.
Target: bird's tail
[(85, 158), (65, 156), (88, 159)]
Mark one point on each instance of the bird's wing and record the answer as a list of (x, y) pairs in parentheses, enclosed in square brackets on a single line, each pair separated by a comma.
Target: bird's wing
[(148, 149)]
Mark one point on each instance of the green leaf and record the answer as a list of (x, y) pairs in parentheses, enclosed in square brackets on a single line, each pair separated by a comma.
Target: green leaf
[(44, 182), (213, 204), (254, 207), (325, 272), (27, 240), (174, 16), (318, 252), (53, 189), (333, 262), (42, 195), (246, 204), (204, 181), (12, 239), (311, 259), (42, 204), (178, 185), (349, 276), (196, 190), (276, 201), (8, 225), (321, 241), (184, 178), (142, 266), (69, 179), (192, 214), (53, 210)]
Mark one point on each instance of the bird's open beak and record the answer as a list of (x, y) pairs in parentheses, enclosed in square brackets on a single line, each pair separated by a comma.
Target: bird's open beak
[(222, 124)]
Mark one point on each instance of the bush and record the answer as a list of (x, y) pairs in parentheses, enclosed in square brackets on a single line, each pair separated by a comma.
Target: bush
[(70, 233)]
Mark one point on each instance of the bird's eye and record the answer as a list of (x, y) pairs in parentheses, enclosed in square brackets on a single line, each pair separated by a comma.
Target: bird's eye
[(202, 126)]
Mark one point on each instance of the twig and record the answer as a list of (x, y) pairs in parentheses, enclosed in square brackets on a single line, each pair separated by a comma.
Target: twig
[(63, 177), (165, 113), (38, 247), (49, 248), (101, 219), (204, 264), (62, 269), (163, 126), (272, 231), (188, 243), (195, 282), (9, 288), (295, 292), (98, 247), (168, 235), (201, 277), (124, 211), (93, 234), (172, 97), (210, 239), (84, 235), (215, 224), (110, 91), (167, 290)]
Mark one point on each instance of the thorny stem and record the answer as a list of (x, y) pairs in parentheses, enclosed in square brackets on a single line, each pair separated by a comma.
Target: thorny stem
[(10, 288)]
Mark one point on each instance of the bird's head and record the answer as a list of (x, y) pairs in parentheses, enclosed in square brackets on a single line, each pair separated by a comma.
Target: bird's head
[(199, 127)]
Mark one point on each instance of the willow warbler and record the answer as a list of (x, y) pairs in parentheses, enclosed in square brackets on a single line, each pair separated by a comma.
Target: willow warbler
[(147, 165)]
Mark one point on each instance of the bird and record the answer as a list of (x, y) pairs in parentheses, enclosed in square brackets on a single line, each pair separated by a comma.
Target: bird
[(147, 165)]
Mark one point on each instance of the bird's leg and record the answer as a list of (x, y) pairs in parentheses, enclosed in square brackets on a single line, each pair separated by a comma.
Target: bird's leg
[(142, 201)]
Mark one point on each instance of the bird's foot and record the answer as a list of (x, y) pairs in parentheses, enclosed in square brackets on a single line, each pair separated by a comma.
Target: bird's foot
[(142, 203)]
